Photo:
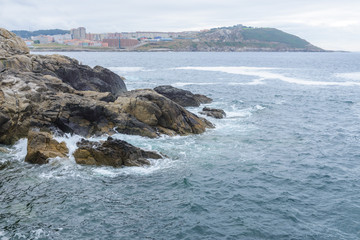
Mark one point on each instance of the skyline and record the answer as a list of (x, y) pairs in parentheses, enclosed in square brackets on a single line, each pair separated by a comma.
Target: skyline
[(327, 24)]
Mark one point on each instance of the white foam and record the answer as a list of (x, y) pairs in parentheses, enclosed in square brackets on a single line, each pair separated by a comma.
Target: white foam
[(71, 140), (19, 150), (182, 84), (243, 113), (126, 69), (155, 165), (266, 74), (2, 235), (350, 75), (70, 168), (254, 82)]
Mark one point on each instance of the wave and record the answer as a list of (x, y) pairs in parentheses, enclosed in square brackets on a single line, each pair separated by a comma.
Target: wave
[(182, 84), (155, 165), (19, 150), (243, 113), (265, 74), (128, 69), (350, 75)]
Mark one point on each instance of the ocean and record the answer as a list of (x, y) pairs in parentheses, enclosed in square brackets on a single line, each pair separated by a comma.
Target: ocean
[(283, 164)]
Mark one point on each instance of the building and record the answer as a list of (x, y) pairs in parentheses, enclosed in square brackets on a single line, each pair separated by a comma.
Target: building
[(126, 43), (114, 43), (78, 33), (60, 38), (43, 39)]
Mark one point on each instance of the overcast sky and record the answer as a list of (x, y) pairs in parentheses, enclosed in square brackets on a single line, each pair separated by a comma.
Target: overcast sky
[(329, 24)]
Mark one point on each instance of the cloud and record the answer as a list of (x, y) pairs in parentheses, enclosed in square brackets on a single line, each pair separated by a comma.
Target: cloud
[(318, 21)]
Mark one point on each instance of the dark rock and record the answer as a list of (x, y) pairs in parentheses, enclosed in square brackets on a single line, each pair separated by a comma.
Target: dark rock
[(112, 152), (182, 97), (160, 113), (203, 99), (84, 78), (213, 112)]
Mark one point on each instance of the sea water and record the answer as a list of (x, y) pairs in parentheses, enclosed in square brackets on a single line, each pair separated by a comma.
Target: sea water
[(283, 164)]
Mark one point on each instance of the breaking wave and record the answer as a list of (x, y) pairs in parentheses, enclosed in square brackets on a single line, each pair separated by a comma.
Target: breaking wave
[(263, 74)]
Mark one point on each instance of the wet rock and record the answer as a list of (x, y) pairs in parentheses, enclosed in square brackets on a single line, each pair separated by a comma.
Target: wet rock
[(182, 97), (160, 113), (112, 152), (41, 146), (4, 150), (57, 93), (213, 112)]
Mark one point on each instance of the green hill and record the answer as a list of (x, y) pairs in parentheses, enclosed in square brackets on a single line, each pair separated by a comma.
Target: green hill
[(273, 35), (235, 38), (28, 34)]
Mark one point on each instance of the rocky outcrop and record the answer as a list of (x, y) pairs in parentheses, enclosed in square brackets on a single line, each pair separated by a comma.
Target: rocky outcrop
[(57, 93), (112, 152), (41, 146), (182, 97), (68, 70), (213, 112), (159, 113), (11, 45)]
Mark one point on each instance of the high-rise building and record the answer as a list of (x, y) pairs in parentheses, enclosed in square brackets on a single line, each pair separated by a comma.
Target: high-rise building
[(78, 33)]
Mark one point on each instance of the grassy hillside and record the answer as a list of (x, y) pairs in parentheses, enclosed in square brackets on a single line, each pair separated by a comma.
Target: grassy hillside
[(273, 35), (237, 38), (28, 34)]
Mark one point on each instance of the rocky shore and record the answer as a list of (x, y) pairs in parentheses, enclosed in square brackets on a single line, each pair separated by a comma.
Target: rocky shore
[(43, 95)]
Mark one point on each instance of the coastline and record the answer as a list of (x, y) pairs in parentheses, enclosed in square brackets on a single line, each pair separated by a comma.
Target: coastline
[(166, 50)]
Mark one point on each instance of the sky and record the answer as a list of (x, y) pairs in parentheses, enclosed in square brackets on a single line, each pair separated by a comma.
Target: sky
[(329, 24)]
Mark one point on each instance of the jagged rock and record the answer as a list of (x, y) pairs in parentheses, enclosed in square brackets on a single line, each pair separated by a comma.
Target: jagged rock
[(213, 112), (11, 45), (160, 113), (183, 97), (80, 77), (112, 152), (56, 92), (41, 146)]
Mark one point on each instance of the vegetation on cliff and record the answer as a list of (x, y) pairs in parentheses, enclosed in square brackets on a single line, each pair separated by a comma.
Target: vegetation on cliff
[(28, 34)]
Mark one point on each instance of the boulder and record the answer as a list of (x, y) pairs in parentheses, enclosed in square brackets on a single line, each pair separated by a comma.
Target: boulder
[(160, 113), (69, 71), (213, 112), (11, 45), (41, 146), (112, 152), (182, 97)]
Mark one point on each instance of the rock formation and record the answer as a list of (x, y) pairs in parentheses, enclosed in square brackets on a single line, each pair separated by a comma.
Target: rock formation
[(56, 93), (213, 112), (11, 45), (159, 113), (41, 146), (182, 97), (112, 152)]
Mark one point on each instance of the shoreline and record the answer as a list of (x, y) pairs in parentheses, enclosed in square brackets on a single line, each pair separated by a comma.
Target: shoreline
[(165, 50)]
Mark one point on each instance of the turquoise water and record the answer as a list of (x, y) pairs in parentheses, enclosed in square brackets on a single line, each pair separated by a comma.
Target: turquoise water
[(283, 164)]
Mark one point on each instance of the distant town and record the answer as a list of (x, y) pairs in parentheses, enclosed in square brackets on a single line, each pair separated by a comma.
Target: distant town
[(237, 38), (78, 37)]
